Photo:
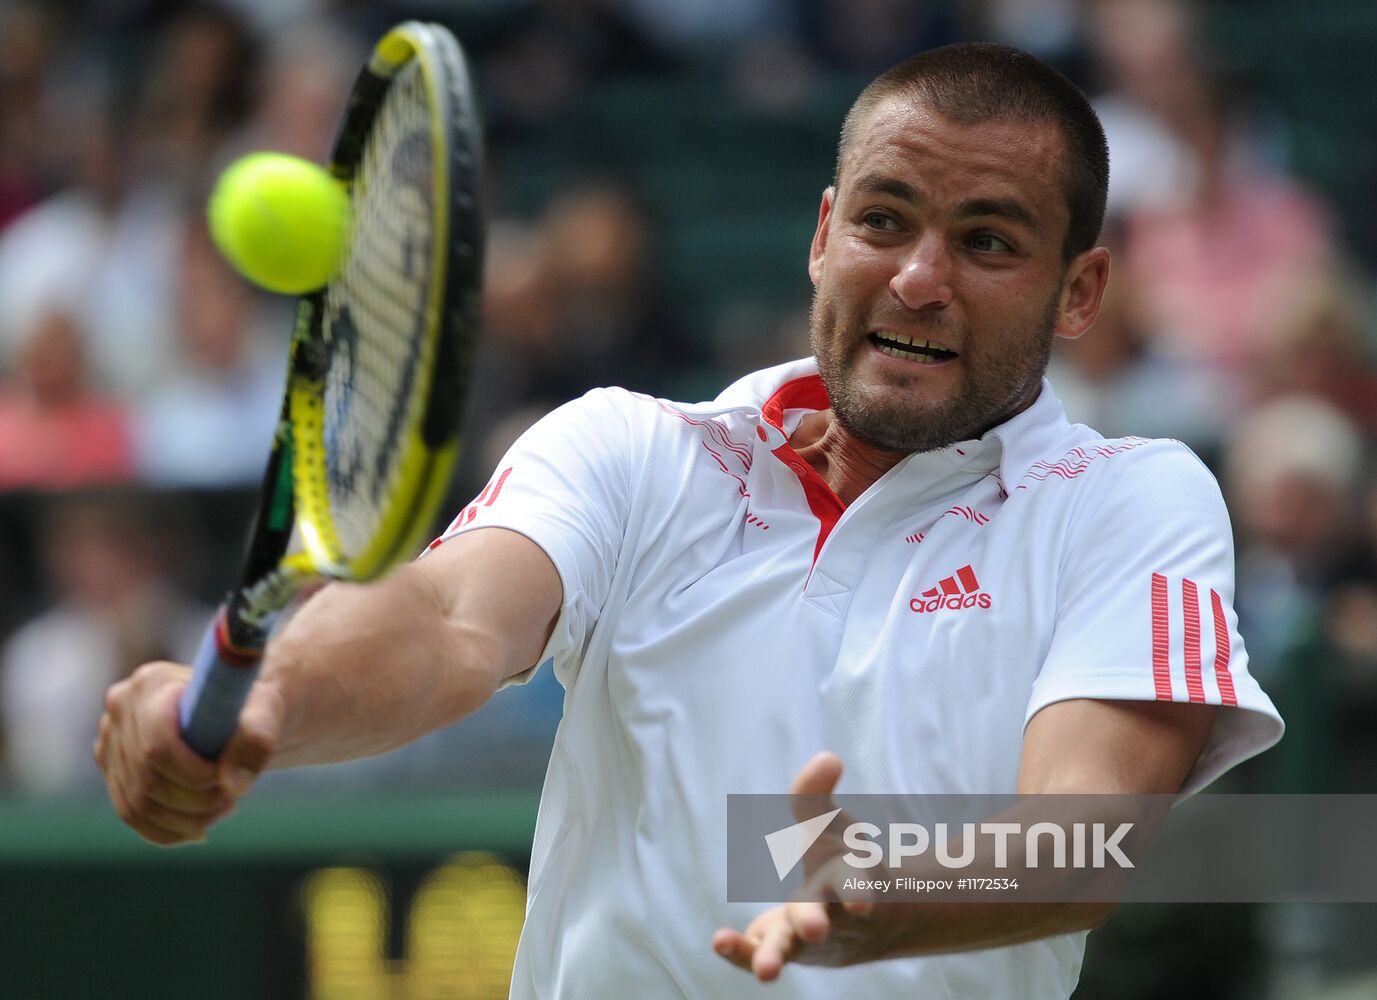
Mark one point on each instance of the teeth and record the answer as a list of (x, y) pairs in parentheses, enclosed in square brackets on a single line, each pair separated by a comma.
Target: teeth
[(913, 342), (922, 359)]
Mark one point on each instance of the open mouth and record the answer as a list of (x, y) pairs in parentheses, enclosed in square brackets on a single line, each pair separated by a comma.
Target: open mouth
[(922, 351)]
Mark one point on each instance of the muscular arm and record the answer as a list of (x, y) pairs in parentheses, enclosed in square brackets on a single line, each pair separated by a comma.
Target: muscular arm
[(1090, 747), (364, 669), (1076, 747), (361, 670), (1070, 747)]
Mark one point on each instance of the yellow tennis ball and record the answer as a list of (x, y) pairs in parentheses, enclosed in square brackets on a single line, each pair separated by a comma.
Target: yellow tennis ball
[(280, 220)]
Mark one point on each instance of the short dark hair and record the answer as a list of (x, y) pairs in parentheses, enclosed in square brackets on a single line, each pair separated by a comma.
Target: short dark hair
[(973, 82)]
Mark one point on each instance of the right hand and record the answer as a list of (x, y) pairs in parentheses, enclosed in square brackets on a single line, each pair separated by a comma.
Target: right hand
[(162, 788), (806, 930)]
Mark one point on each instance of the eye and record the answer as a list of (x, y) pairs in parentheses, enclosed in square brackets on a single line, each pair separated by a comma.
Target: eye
[(879, 220), (988, 243)]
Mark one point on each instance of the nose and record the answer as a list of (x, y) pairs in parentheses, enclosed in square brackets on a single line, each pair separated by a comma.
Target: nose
[(923, 280)]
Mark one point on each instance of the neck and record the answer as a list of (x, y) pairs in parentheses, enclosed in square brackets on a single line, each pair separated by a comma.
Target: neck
[(847, 464)]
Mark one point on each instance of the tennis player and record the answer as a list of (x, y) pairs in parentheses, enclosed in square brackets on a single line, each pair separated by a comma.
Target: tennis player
[(892, 567)]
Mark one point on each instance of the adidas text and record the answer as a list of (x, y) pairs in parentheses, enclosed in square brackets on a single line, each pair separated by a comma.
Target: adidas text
[(956, 602)]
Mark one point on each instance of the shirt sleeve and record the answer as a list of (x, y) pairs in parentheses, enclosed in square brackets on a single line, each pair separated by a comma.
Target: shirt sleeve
[(566, 484), (1145, 605)]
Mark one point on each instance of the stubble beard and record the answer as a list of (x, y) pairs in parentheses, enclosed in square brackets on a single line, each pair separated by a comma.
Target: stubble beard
[(991, 389)]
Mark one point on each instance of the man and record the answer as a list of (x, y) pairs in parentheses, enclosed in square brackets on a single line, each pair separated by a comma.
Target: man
[(903, 555)]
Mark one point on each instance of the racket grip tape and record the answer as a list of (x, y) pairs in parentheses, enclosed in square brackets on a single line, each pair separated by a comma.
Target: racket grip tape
[(221, 678)]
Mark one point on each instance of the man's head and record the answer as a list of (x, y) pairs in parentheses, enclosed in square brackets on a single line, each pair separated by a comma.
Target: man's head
[(956, 243), (974, 82)]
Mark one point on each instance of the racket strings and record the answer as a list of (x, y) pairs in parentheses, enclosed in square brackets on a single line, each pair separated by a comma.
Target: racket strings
[(377, 316)]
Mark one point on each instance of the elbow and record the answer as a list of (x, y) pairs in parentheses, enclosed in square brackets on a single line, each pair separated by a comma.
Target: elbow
[(473, 669)]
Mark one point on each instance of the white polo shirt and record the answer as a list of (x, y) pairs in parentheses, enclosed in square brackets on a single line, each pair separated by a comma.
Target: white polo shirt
[(725, 618)]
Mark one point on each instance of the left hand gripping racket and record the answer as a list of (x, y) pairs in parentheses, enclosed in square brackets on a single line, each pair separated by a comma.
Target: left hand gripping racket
[(379, 364)]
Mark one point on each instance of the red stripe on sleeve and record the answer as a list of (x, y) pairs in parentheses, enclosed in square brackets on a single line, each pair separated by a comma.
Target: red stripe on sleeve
[(1190, 606), (498, 488), (1221, 652), (1161, 649)]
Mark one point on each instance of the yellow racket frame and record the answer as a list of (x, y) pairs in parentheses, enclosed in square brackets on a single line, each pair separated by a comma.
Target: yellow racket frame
[(423, 471)]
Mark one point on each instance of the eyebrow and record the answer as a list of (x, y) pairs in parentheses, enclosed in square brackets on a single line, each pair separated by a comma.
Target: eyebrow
[(1001, 208), (882, 184)]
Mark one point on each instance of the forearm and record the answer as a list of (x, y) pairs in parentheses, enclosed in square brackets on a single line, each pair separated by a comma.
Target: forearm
[(359, 670), (1040, 900), (844, 914), (1045, 866), (905, 930), (363, 669), (1134, 755)]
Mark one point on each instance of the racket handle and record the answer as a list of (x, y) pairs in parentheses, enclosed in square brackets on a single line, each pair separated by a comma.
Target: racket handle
[(220, 681)]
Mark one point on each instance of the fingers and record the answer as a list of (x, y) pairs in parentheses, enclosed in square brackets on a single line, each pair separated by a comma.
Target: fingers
[(819, 776), (161, 788), (161, 824), (126, 811), (732, 946), (811, 791), (773, 938), (139, 806), (745, 951), (779, 935), (809, 921), (773, 948)]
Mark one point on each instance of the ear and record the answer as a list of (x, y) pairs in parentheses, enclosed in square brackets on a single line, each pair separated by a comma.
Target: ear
[(819, 246), (1082, 291)]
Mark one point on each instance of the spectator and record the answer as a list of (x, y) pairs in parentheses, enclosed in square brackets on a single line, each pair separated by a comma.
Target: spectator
[(25, 47), (196, 92), (1050, 29), (103, 251), (1122, 380), (1312, 342), (1149, 74), (1307, 585), (572, 304), (863, 37), (306, 77), (1292, 470), (55, 431), (113, 609), (1229, 224), (210, 424), (560, 50)]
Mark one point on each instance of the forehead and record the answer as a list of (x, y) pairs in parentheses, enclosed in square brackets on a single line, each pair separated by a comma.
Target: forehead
[(949, 161)]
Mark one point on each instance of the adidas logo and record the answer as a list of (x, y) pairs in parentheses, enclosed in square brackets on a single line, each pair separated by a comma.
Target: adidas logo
[(956, 593)]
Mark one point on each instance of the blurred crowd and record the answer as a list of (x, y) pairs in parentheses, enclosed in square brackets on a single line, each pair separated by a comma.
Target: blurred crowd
[(637, 237)]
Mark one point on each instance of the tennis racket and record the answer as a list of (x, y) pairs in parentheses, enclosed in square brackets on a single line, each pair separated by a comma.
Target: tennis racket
[(378, 369)]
